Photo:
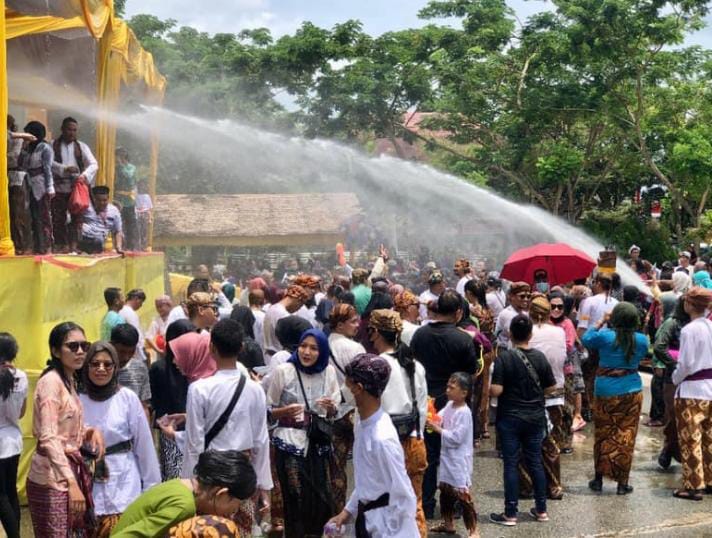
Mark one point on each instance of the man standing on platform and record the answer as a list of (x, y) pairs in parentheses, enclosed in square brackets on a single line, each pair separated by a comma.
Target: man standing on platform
[(73, 161)]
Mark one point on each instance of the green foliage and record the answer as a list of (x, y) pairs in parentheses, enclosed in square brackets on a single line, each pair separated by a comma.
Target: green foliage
[(573, 109), (625, 226)]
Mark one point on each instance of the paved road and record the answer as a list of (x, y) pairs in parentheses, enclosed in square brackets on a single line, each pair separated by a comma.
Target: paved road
[(649, 511)]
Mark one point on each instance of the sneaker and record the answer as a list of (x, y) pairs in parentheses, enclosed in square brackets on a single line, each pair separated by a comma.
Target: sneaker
[(501, 519), (540, 517)]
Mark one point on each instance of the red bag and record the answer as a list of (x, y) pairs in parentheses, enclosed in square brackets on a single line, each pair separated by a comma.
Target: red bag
[(79, 199)]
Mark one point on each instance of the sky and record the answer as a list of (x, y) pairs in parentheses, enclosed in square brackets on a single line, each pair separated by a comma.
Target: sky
[(285, 16)]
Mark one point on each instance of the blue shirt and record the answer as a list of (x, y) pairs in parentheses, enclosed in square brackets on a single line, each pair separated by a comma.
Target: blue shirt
[(611, 356), (111, 320), (98, 226)]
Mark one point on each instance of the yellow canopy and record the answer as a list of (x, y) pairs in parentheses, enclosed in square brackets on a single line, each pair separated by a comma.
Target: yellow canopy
[(121, 59)]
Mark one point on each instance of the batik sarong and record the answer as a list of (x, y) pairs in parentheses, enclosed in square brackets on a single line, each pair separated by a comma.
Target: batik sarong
[(105, 524), (416, 461), (550, 456), (342, 442), (671, 446), (49, 511), (306, 491), (450, 495), (616, 421), (205, 526), (170, 457), (694, 428)]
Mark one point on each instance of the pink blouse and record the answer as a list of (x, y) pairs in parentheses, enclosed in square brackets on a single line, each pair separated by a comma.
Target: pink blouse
[(570, 332), (58, 426)]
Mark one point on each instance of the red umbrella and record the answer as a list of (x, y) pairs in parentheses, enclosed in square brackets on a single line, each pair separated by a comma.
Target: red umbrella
[(561, 262)]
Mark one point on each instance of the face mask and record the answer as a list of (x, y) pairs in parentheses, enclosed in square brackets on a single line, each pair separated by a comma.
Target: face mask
[(542, 287)]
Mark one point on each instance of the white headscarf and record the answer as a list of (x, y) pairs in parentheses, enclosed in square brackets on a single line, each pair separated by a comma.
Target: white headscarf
[(680, 282)]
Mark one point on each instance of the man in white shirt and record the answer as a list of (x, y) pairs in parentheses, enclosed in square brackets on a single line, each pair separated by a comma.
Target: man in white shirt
[(436, 285), (245, 428), (693, 397), (406, 304), (73, 161), (519, 295), (312, 285), (156, 334), (463, 271), (382, 503), (134, 302), (496, 299), (684, 263), (406, 388), (294, 298), (256, 298)]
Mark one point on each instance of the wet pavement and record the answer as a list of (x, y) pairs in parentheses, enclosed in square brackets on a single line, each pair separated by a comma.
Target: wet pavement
[(649, 511)]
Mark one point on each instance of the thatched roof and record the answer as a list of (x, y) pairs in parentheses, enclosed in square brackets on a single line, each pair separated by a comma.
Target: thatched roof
[(252, 219)]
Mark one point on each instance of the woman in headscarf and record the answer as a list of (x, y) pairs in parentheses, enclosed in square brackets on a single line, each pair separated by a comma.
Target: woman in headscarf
[(702, 279), (618, 391), (169, 391), (129, 465), (303, 395), (36, 159), (666, 350), (192, 357), (251, 353), (289, 332)]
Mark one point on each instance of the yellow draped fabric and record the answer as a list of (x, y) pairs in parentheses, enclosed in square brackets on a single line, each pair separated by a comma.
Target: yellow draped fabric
[(120, 59), (6, 246)]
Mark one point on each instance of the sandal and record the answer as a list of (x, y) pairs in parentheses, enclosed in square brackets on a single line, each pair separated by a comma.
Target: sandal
[(686, 494), (441, 529)]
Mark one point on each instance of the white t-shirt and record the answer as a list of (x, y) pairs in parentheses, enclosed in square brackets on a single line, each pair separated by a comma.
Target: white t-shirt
[(594, 308), (456, 452), (551, 341), (10, 410)]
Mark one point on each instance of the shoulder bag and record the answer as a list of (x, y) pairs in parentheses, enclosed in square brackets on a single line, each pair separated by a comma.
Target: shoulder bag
[(319, 429), (407, 422), (222, 419)]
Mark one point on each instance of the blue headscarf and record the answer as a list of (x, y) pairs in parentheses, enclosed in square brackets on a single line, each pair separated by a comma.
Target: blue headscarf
[(322, 362), (702, 278)]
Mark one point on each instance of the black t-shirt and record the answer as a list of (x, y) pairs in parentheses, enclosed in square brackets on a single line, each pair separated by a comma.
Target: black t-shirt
[(443, 349), (521, 397)]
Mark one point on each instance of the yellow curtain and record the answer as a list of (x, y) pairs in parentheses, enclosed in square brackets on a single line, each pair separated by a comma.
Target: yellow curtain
[(120, 59), (6, 246), (17, 25)]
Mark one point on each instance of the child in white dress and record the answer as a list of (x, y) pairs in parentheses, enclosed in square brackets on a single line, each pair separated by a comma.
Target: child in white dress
[(455, 471)]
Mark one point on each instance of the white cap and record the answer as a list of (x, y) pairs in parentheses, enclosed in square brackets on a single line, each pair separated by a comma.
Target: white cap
[(632, 248)]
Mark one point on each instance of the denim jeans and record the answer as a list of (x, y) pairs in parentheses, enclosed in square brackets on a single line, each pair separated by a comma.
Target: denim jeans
[(518, 436)]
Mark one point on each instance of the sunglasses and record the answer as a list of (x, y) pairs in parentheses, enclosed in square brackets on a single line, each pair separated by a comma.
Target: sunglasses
[(74, 346), (557, 307), (95, 365), (213, 307), (524, 295)]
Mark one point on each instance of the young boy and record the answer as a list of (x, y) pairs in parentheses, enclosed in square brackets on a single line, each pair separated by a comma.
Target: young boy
[(383, 502)]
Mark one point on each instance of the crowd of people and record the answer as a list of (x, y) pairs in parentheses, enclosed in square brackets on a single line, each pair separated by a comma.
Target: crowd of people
[(237, 410), (55, 206)]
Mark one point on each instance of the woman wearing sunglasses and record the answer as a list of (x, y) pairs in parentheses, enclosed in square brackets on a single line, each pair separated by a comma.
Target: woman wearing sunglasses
[(130, 465), (59, 485)]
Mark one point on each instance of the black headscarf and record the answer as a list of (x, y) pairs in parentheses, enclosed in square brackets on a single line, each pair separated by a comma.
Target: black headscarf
[(244, 316), (94, 391), (169, 388), (38, 130), (289, 331)]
